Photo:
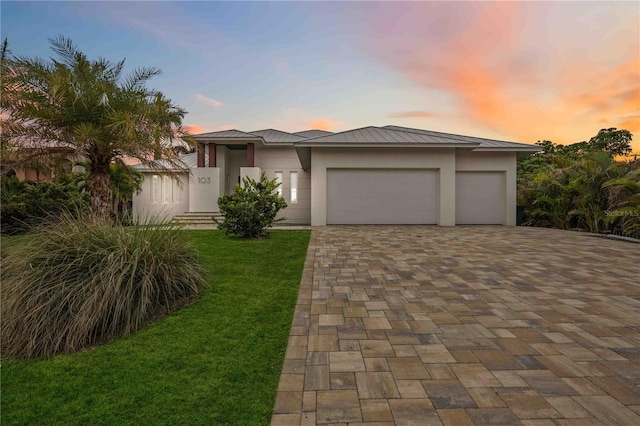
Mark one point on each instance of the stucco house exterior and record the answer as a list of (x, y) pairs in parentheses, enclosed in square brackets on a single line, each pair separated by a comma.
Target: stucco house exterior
[(371, 175)]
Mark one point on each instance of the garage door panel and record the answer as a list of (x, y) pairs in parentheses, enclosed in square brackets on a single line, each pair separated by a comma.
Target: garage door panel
[(480, 198), (381, 196)]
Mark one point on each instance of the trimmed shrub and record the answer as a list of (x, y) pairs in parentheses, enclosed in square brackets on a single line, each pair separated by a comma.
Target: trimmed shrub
[(252, 208), (86, 282)]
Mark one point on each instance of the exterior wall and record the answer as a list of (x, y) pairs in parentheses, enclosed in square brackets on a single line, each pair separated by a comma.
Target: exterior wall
[(442, 160), (470, 161), (204, 189), (144, 206), (221, 161), (312, 205), (32, 175), (285, 160), (253, 173), (235, 159)]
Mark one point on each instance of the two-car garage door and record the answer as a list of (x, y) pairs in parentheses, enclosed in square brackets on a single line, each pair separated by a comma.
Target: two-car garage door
[(382, 196)]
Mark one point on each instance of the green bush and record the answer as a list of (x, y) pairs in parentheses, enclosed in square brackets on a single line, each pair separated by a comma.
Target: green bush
[(25, 205), (85, 282), (252, 208)]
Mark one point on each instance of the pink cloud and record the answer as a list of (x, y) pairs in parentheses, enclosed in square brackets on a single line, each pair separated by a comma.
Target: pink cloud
[(194, 129), (324, 124), (208, 101), (511, 68), (224, 127), (412, 114)]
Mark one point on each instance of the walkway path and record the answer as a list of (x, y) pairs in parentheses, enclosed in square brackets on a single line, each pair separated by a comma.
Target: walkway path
[(419, 325)]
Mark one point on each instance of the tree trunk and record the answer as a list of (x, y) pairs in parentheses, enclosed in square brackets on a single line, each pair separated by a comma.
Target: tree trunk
[(99, 187)]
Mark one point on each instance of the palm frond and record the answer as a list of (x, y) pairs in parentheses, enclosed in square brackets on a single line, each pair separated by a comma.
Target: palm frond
[(136, 80), (68, 52)]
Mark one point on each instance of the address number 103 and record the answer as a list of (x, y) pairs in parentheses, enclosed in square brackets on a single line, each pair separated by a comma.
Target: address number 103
[(204, 180)]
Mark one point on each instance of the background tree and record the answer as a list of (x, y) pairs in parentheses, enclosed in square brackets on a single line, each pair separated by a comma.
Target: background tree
[(72, 104), (612, 141)]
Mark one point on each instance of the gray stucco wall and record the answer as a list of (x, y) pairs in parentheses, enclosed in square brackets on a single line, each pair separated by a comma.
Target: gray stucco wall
[(285, 160)]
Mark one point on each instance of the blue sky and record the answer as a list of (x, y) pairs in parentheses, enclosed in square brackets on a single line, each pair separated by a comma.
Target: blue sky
[(516, 71)]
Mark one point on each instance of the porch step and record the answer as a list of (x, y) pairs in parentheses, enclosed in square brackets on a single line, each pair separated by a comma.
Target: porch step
[(197, 218)]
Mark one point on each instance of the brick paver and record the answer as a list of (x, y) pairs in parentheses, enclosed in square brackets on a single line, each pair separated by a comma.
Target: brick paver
[(423, 325)]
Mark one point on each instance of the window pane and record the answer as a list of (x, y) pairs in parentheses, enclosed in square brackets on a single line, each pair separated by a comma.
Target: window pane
[(293, 176), (177, 192), (166, 187), (155, 188), (279, 180)]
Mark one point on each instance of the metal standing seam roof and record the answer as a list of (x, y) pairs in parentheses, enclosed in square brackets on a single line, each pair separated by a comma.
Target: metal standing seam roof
[(188, 160), (227, 134), (277, 136), (382, 135), (484, 143), (314, 133), (367, 135), (267, 135)]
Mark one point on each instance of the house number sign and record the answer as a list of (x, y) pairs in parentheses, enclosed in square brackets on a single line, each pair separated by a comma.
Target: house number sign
[(204, 180)]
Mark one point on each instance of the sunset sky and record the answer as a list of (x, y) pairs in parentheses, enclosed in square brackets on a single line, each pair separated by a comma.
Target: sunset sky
[(519, 71)]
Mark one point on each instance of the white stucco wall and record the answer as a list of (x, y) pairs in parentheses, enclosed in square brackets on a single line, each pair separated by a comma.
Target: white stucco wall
[(204, 189), (442, 160), (470, 161), (234, 159), (144, 205), (253, 173), (285, 160)]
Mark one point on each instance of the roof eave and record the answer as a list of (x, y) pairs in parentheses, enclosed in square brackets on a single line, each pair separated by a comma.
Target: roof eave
[(229, 141), (384, 145), (279, 143), (506, 149), (162, 170)]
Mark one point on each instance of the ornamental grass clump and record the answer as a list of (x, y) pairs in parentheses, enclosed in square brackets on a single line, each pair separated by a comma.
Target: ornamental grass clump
[(84, 282)]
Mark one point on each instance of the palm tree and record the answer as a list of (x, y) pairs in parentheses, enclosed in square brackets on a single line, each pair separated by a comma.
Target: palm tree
[(71, 104)]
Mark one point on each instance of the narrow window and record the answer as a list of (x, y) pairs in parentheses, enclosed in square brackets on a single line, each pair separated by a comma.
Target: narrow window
[(293, 183), (177, 191), (155, 188), (279, 180), (166, 189)]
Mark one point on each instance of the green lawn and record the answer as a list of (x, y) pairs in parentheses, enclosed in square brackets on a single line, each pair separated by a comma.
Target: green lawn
[(217, 361)]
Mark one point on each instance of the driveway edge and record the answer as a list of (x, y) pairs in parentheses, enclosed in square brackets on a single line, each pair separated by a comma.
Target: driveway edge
[(288, 407)]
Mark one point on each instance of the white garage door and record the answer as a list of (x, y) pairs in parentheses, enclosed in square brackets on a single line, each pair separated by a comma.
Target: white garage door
[(382, 196), (480, 198)]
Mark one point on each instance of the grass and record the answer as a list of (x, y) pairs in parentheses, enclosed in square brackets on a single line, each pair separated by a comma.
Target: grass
[(216, 361)]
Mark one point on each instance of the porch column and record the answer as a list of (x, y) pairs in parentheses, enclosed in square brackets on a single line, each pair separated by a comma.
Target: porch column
[(200, 149), (212, 155), (250, 155)]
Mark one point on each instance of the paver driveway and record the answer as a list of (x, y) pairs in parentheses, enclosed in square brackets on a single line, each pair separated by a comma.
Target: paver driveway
[(467, 325)]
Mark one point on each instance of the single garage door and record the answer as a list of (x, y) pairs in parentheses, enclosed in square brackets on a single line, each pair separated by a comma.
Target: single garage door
[(480, 198), (382, 196)]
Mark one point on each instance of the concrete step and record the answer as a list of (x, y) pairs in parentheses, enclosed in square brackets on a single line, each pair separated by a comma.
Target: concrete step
[(197, 218)]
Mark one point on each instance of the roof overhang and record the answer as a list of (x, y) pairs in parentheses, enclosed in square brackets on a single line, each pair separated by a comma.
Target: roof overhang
[(304, 155), (521, 152), (531, 149), (228, 141), (385, 145)]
